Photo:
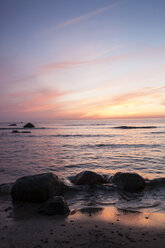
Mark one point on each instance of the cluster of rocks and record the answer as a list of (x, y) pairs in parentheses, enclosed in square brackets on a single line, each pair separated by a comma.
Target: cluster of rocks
[(47, 188), (28, 125)]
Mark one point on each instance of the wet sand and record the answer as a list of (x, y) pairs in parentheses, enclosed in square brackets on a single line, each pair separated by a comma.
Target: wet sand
[(22, 227)]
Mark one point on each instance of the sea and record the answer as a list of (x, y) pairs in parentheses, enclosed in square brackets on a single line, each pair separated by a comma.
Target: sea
[(67, 147)]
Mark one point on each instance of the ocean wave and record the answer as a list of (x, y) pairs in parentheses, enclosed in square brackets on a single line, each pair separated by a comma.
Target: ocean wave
[(135, 127), (72, 135), (88, 124), (158, 182), (131, 207), (21, 128), (81, 135), (158, 132), (120, 145)]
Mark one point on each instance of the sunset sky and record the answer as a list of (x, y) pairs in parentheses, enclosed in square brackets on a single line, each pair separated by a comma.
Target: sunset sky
[(74, 59)]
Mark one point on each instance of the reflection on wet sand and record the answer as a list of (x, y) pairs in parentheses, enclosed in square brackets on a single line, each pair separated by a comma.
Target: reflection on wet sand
[(124, 217)]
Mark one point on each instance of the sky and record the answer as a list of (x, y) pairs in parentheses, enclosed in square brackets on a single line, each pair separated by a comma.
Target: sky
[(74, 59)]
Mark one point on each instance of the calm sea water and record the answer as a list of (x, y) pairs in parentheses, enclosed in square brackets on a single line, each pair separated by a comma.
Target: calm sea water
[(68, 147)]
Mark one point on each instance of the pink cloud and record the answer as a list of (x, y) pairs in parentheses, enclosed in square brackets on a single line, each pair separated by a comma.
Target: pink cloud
[(73, 64), (29, 102), (140, 53), (139, 97)]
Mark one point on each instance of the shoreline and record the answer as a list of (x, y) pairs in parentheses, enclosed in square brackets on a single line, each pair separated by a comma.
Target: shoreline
[(22, 227)]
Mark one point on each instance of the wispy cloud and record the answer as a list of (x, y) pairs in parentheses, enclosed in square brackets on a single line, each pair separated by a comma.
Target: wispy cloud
[(85, 16), (138, 96), (142, 102), (78, 19), (138, 54), (147, 95), (73, 64), (48, 103), (32, 101)]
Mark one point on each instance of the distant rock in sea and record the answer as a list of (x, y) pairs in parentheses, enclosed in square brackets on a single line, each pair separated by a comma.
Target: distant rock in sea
[(29, 125), (128, 181), (25, 132), (13, 125), (88, 177), (15, 131), (37, 188), (55, 205)]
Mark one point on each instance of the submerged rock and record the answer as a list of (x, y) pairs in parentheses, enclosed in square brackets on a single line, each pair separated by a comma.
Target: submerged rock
[(55, 205), (88, 177), (13, 125), (128, 181), (15, 131), (29, 125), (25, 132), (37, 188)]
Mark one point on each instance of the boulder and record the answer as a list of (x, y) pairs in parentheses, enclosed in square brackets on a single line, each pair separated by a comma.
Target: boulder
[(37, 188), (88, 177), (15, 131), (55, 205), (29, 125), (128, 181)]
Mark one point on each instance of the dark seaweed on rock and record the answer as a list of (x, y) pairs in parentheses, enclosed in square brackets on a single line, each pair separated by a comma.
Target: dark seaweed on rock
[(135, 127)]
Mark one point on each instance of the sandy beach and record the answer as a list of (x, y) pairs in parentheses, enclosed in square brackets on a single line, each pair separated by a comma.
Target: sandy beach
[(21, 226)]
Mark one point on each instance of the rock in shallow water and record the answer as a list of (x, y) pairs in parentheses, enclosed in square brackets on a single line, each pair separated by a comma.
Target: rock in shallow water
[(55, 205), (29, 125), (37, 188), (13, 125), (88, 177), (128, 181)]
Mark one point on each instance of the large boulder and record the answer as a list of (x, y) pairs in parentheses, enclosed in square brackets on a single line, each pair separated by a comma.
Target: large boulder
[(88, 177), (29, 125), (128, 181), (55, 205), (37, 188)]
